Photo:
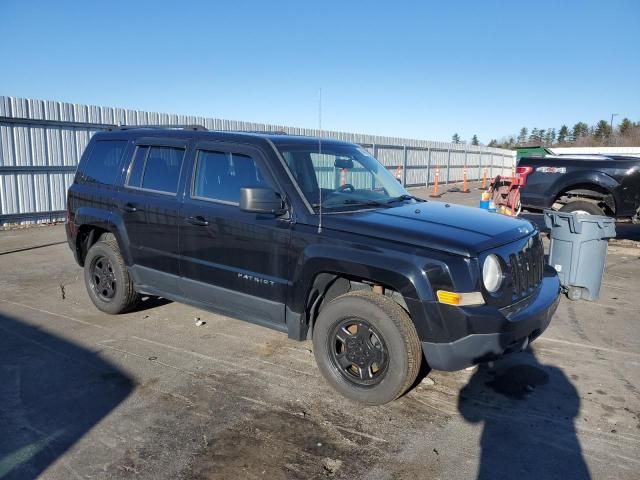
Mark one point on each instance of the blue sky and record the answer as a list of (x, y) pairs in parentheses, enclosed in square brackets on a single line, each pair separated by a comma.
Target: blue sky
[(415, 69)]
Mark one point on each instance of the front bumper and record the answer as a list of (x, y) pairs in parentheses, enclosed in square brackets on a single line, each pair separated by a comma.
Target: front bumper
[(513, 328)]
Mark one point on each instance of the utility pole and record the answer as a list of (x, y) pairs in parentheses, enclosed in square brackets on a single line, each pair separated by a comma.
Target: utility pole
[(613, 115)]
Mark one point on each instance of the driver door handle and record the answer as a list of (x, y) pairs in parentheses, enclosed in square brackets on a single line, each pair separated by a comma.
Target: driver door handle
[(130, 208), (198, 220)]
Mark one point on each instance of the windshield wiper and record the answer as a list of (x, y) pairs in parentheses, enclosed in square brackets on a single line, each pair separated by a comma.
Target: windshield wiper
[(404, 197), (363, 203)]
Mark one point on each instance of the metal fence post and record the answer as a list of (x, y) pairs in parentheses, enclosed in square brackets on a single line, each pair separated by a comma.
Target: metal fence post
[(375, 155), (426, 183), (448, 164), (404, 166), (465, 166), (491, 165)]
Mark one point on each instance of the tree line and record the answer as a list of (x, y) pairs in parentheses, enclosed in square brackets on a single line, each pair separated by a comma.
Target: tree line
[(624, 134)]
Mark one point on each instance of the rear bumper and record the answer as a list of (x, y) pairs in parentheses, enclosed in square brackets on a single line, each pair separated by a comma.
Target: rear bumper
[(514, 329), (72, 232)]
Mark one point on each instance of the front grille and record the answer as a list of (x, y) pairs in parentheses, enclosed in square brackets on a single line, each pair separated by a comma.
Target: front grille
[(527, 267)]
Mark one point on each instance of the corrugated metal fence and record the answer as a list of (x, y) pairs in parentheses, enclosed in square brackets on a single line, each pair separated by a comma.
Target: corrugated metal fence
[(41, 142)]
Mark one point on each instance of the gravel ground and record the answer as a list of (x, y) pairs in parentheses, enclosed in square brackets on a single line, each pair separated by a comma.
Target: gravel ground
[(150, 395)]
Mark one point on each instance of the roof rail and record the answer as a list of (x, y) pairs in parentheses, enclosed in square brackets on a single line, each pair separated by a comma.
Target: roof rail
[(198, 128), (265, 132), (581, 156)]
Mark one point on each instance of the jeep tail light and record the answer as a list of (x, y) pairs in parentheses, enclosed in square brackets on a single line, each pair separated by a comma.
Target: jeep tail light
[(521, 174), (70, 213)]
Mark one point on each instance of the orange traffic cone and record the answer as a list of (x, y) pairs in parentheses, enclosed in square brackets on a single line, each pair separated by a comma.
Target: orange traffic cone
[(484, 179), (343, 177), (435, 193), (465, 184)]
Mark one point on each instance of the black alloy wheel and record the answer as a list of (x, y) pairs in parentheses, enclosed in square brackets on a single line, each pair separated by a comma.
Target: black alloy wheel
[(367, 347), (103, 278), (358, 351)]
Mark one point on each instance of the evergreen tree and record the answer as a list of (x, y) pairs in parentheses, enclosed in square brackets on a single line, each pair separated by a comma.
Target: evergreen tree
[(580, 129), (522, 136), (563, 134), (455, 138), (625, 126), (602, 130), (474, 140), (542, 135), (493, 143), (552, 136), (535, 136)]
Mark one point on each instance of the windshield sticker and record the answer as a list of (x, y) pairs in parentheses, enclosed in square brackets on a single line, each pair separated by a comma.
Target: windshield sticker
[(551, 169)]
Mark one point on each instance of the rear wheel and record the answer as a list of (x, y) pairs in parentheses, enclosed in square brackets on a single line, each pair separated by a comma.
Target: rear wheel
[(583, 207), (366, 347), (107, 279)]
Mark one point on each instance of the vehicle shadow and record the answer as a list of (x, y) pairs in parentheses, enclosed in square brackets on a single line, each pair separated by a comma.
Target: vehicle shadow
[(52, 392), (148, 302), (528, 411)]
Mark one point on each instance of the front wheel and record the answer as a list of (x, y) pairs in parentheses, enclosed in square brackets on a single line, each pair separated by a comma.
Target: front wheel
[(366, 347)]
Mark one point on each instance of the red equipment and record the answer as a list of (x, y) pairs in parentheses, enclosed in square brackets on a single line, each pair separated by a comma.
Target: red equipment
[(505, 191)]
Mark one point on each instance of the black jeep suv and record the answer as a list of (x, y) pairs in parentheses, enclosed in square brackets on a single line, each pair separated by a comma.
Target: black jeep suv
[(311, 237)]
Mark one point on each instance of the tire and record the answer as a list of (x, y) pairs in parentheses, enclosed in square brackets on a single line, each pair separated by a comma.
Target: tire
[(388, 336), (584, 207), (107, 279)]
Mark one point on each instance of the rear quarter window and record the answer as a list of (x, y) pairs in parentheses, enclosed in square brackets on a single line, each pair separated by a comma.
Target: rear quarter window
[(104, 162)]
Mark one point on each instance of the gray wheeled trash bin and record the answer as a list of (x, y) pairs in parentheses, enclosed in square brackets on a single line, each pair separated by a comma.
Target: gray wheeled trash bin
[(578, 250)]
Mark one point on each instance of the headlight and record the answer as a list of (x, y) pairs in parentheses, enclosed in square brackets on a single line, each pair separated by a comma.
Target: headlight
[(492, 274)]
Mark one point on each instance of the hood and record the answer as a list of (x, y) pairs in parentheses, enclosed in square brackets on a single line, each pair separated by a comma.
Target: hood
[(453, 228)]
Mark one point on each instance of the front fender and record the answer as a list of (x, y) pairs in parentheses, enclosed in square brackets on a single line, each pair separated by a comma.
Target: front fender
[(407, 274)]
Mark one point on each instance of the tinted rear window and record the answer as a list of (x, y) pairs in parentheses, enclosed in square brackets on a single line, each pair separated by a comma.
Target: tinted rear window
[(103, 163), (156, 168), (137, 166)]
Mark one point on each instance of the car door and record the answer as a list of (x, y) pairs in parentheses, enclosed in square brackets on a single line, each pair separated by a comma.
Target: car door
[(151, 209), (231, 260)]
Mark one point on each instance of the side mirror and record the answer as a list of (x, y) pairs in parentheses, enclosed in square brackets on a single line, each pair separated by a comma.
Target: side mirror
[(261, 200)]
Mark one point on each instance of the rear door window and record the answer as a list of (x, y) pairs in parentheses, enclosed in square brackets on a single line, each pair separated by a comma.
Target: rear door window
[(104, 162), (137, 167), (156, 168)]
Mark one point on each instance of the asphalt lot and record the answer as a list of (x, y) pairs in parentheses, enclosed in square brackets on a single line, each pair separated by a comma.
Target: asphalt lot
[(151, 395)]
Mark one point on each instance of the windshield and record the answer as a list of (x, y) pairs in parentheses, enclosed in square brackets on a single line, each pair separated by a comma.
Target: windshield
[(343, 177)]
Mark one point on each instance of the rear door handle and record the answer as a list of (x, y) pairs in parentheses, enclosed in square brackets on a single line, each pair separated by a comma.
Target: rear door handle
[(129, 207), (198, 220)]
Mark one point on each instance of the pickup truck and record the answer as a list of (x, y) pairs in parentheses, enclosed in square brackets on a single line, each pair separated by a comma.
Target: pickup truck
[(589, 184), (311, 237)]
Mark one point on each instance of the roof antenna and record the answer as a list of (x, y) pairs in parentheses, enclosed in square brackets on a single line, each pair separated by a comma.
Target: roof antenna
[(320, 154)]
